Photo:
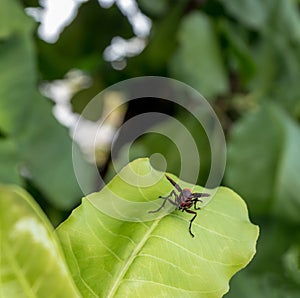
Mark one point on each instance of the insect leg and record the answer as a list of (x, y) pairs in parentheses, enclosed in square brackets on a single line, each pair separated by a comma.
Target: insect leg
[(174, 183), (197, 195), (195, 203), (165, 199), (191, 221)]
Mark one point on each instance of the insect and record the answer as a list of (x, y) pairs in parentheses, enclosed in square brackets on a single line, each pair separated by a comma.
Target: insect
[(184, 200)]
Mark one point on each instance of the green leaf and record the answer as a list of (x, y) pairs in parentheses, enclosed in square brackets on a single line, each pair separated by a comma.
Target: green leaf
[(275, 48), (270, 182), (257, 129), (9, 159), (109, 257), (240, 57), (252, 13), (31, 263), (291, 262), (154, 8), (198, 60), (13, 19), (273, 272), (261, 285), (285, 21)]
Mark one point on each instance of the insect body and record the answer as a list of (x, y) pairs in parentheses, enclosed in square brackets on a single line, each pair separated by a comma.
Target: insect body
[(183, 200)]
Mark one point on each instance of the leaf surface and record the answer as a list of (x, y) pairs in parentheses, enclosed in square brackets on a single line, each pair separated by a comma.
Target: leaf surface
[(110, 257), (31, 263)]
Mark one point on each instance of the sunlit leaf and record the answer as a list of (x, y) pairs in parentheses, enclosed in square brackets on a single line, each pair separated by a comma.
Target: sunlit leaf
[(31, 263), (109, 257)]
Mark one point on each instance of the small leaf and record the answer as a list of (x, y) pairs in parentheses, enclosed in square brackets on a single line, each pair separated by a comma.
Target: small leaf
[(198, 60), (154, 8), (31, 263), (9, 159), (252, 13), (109, 257)]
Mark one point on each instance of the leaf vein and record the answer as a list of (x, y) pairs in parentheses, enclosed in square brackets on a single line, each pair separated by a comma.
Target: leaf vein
[(169, 263), (169, 286), (194, 254), (102, 243), (130, 260), (78, 268)]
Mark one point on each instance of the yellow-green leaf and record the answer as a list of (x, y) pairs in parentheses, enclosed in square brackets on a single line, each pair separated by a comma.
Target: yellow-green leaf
[(31, 263), (109, 257)]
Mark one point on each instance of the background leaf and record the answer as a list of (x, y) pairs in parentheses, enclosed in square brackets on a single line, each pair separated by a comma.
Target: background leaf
[(198, 60), (257, 11), (31, 263), (35, 147), (9, 172), (158, 257), (270, 182)]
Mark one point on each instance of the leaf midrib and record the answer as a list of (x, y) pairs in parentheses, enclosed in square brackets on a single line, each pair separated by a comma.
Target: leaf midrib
[(130, 260)]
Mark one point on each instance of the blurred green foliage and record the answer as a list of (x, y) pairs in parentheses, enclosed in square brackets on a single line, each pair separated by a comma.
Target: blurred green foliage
[(34, 147), (243, 55)]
